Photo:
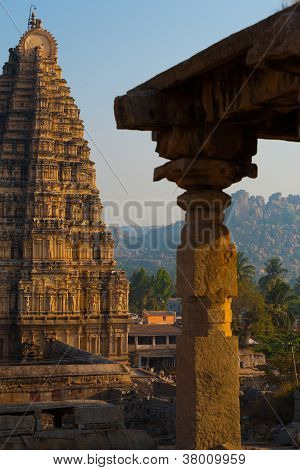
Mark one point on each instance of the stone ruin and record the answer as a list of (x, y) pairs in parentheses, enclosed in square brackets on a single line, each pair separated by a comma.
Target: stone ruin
[(80, 424)]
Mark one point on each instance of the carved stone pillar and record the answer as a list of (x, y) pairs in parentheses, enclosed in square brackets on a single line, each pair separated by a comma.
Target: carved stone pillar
[(207, 355)]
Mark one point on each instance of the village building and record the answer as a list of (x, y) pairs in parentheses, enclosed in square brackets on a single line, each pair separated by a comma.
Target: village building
[(153, 345), (158, 317)]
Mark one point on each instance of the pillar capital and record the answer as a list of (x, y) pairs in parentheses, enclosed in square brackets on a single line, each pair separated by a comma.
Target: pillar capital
[(218, 140), (204, 173)]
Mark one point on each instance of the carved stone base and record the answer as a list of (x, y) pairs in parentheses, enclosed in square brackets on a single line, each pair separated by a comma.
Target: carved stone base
[(207, 392)]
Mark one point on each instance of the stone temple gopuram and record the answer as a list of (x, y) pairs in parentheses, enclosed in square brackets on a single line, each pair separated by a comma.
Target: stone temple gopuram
[(58, 276)]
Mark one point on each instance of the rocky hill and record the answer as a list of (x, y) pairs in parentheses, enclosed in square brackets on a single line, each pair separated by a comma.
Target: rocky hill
[(265, 229), (260, 229)]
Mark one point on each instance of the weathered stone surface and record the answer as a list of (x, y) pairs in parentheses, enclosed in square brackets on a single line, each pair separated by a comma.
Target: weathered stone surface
[(221, 83), (229, 49), (194, 173), (103, 414), (13, 443), (282, 52), (94, 440), (58, 276), (225, 142), (56, 434), (17, 424), (91, 425), (34, 443), (27, 383), (139, 440), (208, 270), (18, 432), (211, 406)]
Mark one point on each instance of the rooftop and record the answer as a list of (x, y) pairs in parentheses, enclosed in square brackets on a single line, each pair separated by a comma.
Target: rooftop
[(154, 330), (158, 313)]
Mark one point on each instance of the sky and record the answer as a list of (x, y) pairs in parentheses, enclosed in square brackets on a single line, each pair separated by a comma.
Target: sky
[(108, 47)]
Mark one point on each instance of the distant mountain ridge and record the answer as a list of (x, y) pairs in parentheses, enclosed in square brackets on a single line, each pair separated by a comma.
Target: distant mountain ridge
[(260, 229), (264, 229)]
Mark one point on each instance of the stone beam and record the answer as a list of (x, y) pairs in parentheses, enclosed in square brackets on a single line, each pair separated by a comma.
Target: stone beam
[(228, 94), (250, 77)]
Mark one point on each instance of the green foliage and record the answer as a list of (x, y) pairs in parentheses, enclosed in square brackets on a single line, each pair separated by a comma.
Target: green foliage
[(249, 313), (161, 290), (149, 292), (278, 295), (274, 270), (139, 288), (282, 351), (278, 292), (279, 344), (267, 309), (245, 271), (294, 307)]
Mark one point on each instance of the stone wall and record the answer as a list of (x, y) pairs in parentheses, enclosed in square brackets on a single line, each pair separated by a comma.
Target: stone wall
[(42, 382), (74, 425), (155, 415)]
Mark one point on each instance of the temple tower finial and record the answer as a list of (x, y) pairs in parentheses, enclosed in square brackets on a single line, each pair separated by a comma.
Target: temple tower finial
[(33, 21)]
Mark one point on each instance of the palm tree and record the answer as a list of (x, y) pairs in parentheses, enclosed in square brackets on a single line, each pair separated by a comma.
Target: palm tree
[(274, 270), (278, 295), (245, 271)]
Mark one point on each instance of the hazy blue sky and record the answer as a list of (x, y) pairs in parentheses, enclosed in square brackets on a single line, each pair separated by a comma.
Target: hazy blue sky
[(107, 47)]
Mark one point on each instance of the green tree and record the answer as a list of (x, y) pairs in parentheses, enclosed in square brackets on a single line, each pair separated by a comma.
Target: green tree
[(139, 290), (283, 354), (245, 271), (279, 295), (294, 308), (149, 292), (274, 270), (278, 292), (248, 310), (163, 287)]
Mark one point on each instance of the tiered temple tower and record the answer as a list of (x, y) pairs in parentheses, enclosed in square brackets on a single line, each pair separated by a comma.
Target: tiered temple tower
[(58, 277)]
